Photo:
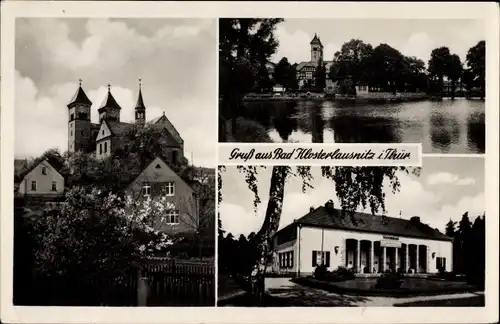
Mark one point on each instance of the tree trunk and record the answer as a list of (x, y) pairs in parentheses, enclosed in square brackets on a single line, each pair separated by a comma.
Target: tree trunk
[(269, 228)]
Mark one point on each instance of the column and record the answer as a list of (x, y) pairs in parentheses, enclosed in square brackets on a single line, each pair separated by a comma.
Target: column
[(372, 247), (358, 258), (407, 256), (384, 263), (396, 250), (417, 264)]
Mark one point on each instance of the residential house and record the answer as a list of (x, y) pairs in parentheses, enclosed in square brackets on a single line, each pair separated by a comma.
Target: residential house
[(157, 180), (363, 242)]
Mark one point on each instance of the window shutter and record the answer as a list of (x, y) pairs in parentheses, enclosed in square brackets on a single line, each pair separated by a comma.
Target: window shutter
[(314, 259), (328, 259)]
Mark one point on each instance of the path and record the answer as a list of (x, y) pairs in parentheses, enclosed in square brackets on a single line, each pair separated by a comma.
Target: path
[(284, 292)]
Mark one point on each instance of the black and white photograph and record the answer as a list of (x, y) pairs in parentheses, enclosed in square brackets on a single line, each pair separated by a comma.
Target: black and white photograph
[(353, 236), (354, 81), (114, 188)]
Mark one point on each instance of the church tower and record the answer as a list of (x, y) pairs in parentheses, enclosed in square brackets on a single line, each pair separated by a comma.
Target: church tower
[(79, 121), (316, 49), (110, 109), (140, 108)]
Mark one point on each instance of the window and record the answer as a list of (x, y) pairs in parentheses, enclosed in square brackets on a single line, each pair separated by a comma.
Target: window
[(319, 258), (100, 148), (174, 156), (54, 185), (82, 132), (105, 147), (146, 190), (72, 117), (102, 132), (440, 263), (170, 189), (33, 185), (286, 259), (173, 217), (44, 171), (71, 133)]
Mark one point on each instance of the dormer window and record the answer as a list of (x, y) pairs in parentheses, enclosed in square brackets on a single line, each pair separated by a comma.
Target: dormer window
[(146, 190)]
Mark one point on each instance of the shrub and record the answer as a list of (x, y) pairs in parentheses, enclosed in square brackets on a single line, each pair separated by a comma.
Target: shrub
[(320, 272), (389, 281)]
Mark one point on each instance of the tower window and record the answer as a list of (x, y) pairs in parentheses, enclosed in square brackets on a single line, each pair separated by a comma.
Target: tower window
[(72, 117), (82, 132), (105, 147), (100, 148)]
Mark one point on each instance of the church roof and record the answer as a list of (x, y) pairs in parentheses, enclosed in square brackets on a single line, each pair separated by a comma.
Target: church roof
[(79, 97), (163, 121), (316, 40), (140, 101), (364, 222), (109, 102), (118, 128)]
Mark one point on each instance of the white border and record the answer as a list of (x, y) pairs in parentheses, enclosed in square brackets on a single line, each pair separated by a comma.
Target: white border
[(450, 10)]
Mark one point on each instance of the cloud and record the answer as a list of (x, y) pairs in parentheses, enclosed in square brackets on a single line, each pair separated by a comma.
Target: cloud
[(419, 45), (448, 178), (175, 60)]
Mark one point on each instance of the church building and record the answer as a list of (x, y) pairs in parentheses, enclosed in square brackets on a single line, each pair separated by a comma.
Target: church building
[(365, 243), (305, 70), (105, 137)]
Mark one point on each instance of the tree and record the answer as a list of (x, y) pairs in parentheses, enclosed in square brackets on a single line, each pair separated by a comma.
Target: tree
[(285, 74), (476, 62), (450, 228), (355, 186), (454, 72), (319, 76), (245, 45), (440, 58), (351, 62), (467, 81), (390, 70)]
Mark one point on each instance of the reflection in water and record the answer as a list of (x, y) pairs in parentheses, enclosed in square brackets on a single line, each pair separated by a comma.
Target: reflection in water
[(448, 126), (445, 131), (476, 135)]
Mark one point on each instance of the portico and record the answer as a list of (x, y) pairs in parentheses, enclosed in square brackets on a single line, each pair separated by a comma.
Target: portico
[(386, 255)]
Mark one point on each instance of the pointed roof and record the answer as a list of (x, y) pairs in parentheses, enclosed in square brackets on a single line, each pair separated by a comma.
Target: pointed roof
[(79, 98), (140, 101), (316, 40), (109, 101)]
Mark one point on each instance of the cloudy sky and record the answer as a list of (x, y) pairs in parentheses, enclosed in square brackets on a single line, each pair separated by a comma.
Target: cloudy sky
[(176, 59), (446, 188), (415, 37)]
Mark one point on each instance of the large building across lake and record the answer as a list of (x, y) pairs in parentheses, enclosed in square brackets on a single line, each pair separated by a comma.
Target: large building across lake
[(363, 242)]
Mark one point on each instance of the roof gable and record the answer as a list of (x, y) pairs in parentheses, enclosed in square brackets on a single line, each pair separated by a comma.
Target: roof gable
[(164, 122), (158, 169), (104, 131), (41, 165), (364, 222)]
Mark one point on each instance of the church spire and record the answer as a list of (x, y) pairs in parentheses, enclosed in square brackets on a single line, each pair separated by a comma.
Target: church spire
[(79, 97), (110, 109), (140, 108)]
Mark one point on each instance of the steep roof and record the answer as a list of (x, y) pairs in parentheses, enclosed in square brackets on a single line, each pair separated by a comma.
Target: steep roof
[(109, 102), (163, 121), (140, 102), (118, 128), (316, 40), (363, 222), (79, 98)]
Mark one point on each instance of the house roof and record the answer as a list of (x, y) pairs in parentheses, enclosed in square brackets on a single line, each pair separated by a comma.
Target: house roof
[(140, 102), (363, 222), (316, 40), (118, 128), (109, 102), (79, 97)]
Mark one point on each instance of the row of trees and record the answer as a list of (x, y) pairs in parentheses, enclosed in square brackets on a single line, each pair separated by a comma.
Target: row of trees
[(469, 247), (236, 256)]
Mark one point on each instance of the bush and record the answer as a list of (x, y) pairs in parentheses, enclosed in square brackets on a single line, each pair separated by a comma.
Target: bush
[(320, 272), (389, 281), (340, 274)]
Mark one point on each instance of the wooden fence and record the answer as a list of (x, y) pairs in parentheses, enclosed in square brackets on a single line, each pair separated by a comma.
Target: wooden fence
[(166, 283), (177, 283)]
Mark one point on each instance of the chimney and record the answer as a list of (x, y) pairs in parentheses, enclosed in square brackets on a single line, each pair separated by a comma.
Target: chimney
[(415, 219), (329, 206), (311, 209)]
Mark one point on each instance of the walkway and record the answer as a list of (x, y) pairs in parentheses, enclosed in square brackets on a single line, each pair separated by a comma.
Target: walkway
[(283, 292)]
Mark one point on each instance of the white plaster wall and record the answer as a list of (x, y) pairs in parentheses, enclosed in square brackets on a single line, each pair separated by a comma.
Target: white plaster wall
[(310, 240), (43, 181)]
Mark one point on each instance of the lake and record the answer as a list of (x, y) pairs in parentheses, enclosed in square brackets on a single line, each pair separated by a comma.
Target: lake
[(447, 126)]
